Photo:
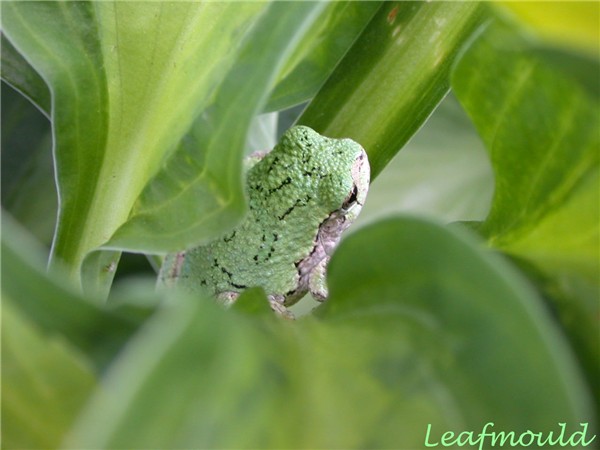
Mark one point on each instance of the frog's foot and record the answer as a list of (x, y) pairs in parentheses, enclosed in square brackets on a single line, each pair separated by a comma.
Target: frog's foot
[(276, 303)]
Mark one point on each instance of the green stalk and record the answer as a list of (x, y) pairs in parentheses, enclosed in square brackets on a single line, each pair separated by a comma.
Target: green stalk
[(394, 76)]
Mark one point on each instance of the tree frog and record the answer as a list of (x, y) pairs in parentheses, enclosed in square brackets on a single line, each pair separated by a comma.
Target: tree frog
[(302, 195)]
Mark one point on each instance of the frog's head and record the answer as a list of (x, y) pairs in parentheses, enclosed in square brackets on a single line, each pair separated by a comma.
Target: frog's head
[(344, 173), (337, 170)]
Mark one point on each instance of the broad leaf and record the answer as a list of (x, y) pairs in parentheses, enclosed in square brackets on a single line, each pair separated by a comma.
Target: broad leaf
[(17, 72), (571, 24), (442, 172), (479, 335), (443, 334), (565, 34), (45, 382), (28, 187), (44, 301), (541, 130), (199, 194), (60, 41), (393, 77), (121, 101)]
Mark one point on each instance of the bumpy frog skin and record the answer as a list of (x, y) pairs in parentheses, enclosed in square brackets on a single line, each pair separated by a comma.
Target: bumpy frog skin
[(302, 196)]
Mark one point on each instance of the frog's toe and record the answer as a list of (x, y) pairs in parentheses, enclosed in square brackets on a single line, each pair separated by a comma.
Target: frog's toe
[(280, 310)]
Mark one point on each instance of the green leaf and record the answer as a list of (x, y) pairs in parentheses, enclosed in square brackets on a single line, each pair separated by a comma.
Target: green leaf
[(28, 188), (541, 130), (121, 101), (252, 301), (45, 302), (446, 334), (479, 337), (321, 48), (199, 192), (571, 24), (393, 77), (45, 382), (17, 72), (579, 67), (565, 34), (443, 172), (60, 41)]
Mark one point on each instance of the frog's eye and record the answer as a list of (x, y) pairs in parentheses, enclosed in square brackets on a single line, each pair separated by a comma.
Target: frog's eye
[(351, 200)]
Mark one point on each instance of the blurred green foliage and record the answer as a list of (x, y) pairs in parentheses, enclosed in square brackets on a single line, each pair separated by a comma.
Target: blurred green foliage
[(143, 113)]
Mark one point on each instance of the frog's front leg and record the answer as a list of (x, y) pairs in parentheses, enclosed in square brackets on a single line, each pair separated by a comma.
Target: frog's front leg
[(312, 270)]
